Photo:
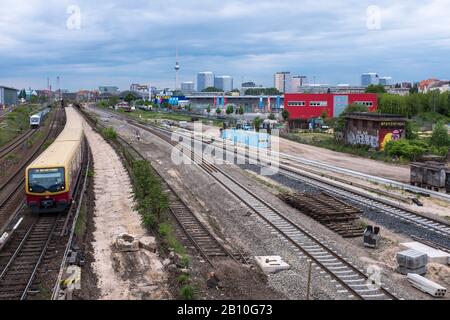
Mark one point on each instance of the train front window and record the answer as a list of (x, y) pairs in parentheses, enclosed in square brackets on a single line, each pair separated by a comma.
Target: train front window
[(42, 180)]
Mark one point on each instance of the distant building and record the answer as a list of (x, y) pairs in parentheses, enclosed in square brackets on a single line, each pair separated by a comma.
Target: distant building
[(373, 129), (108, 90), (424, 85), (139, 87), (385, 81), (224, 82), (369, 78), (87, 95), (282, 81), (188, 87), (297, 82), (307, 105), (8, 96), (205, 80)]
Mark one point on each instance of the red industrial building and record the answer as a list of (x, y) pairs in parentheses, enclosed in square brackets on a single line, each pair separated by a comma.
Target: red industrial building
[(312, 105)]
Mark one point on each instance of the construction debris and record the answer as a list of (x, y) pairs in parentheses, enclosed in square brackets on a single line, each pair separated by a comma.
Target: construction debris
[(328, 210), (127, 243), (426, 285), (271, 264)]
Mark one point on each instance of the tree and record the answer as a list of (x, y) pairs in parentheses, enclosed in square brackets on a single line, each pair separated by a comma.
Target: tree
[(229, 109), (241, 110), (375, 88), (271, 116), (285, 114), (257, 123), (218, 111), (208, 109), (212, 89), (22, 94), (34, 99), (324, 115), (129, 97), (113, 100), (440, 137)]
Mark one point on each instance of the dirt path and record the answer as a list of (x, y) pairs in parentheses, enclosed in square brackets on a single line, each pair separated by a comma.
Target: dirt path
[(130, 275)]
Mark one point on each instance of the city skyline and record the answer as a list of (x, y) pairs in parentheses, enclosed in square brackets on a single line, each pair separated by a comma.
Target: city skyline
[(119, 44)]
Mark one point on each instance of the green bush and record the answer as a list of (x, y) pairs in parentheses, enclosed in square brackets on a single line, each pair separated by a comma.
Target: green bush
[(440, 136), (188, 292), (406, 149), (183, 278)]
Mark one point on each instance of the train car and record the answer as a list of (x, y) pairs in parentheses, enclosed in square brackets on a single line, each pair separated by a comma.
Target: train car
[(50, 180), (37, 119)]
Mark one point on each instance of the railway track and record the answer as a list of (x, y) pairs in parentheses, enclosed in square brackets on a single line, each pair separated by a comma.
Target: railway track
[(16, 142), (19, 272), (386, 207), (356, 284), (205, 242), (11, 197), (41, 240)]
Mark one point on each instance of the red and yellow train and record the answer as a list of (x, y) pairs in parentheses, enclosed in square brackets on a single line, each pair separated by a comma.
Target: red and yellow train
[(50, 180)]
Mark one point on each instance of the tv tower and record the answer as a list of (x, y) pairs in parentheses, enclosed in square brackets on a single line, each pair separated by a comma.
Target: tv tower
[(177, 72)]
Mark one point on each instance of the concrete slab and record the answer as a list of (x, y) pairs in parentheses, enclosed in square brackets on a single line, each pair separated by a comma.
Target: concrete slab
[(434, 255), (127, 243), (271, 264), (148, 243)]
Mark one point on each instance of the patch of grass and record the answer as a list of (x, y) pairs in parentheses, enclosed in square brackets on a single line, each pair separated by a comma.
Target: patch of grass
[(166, 232), (185, 261), (90, 173), (183, 279), (109, 134), (188, 292), (80, 225)]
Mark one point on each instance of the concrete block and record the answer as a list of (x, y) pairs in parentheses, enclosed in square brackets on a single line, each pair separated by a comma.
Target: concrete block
[(405, 270), (434, 255), (426, 285), (271, 264), (126, 243), (148, 243), (412, 259)]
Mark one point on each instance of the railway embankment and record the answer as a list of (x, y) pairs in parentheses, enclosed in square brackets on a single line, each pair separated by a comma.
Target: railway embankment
[(134, 274)]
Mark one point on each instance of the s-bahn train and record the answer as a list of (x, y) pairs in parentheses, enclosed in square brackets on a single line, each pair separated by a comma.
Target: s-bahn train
[(37, 119), (50, 180)]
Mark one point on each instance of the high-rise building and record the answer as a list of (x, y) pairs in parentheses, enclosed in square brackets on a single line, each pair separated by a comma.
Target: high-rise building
[(369, 78), (204, 80), (385, 81), (224, 83), (297, 82), (282, 81), (188, 86)]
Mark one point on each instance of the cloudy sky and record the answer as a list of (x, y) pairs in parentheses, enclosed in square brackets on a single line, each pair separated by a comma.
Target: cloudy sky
[(122, 42)]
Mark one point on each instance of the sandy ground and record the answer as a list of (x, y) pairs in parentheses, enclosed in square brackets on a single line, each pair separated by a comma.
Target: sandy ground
[(133, 275), (339, 159)]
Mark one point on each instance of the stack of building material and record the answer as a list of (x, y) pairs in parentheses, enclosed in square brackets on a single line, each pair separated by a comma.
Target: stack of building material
[(412, 261), (426, 285), (337, 215)]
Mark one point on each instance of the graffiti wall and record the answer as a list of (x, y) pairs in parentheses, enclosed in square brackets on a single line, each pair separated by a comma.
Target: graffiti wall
[(362, 138), (387, 135)]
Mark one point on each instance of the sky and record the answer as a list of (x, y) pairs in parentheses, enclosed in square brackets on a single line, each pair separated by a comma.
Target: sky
[(106, 42)]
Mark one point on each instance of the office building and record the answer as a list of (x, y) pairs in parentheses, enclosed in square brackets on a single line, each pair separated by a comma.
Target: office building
[(205, 80), (385, 81), (282, 81), (369, 78), (8, 96), (224, 83), (188, 87), (297, 82)]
